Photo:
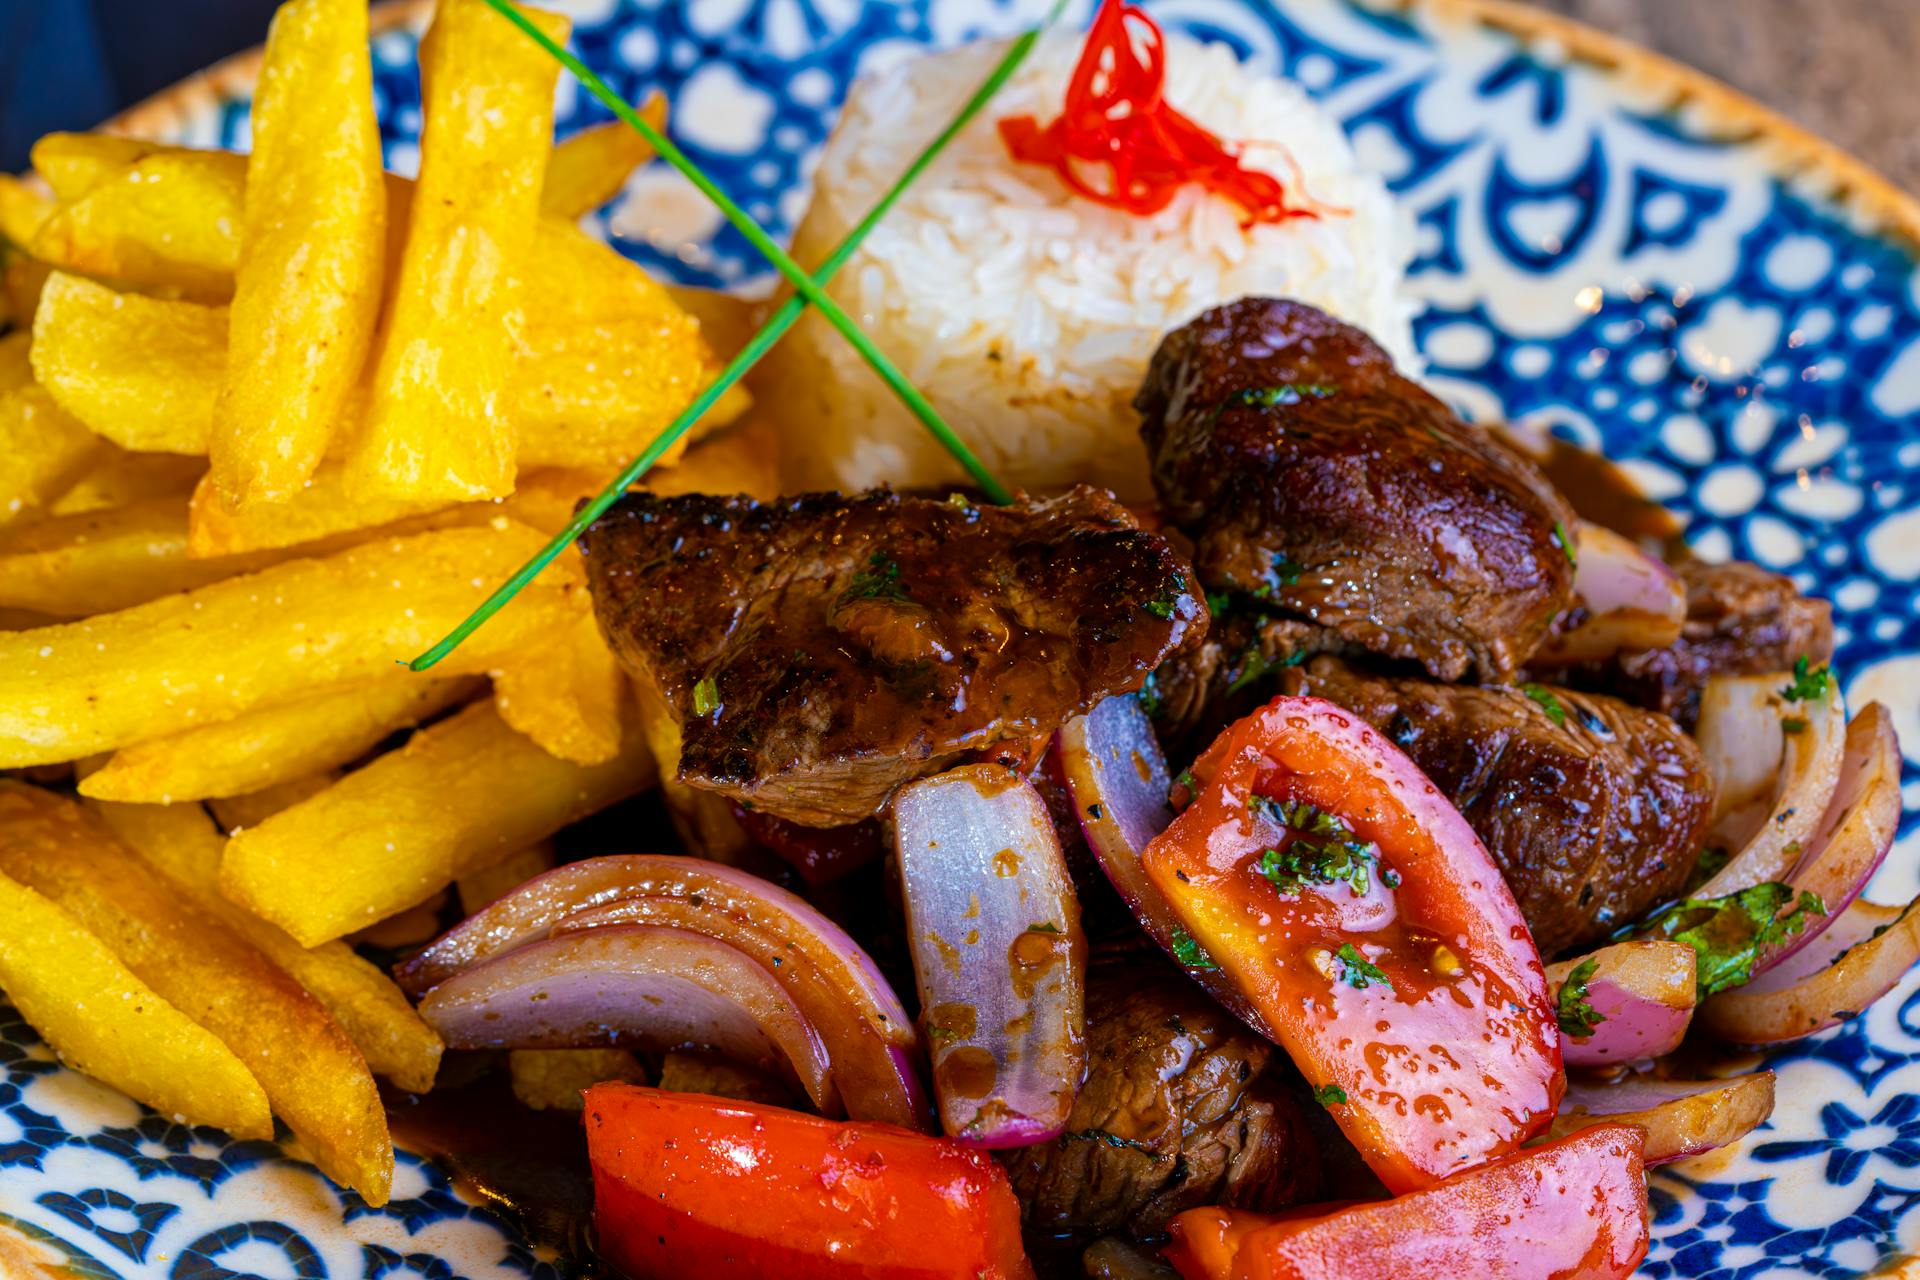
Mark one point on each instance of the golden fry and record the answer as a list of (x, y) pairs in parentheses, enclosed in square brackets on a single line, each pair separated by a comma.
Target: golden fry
[(44, 450), (553, 1079), (478, 888), (75, 163), (182, 842), (147, 226), (588, 169), (255, 807), (104, 1021), (306, 295), (568, 695), (742, 459), (327, 506), (205, 656), (140, 371), (102, 561), (438, 425), (23, 211), (457, 797), (314, 1078), (273, 745)]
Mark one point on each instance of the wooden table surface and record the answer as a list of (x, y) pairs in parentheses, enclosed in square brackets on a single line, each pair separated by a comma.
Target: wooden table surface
[(1847, 69)]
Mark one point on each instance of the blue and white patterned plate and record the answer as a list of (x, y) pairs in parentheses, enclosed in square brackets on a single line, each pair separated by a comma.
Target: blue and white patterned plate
[(1607, 241)]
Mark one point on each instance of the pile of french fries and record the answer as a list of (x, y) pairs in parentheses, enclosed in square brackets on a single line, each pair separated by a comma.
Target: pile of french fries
[(271, 424)]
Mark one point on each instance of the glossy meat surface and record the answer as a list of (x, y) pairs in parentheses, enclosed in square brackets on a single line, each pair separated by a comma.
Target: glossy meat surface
[(1175, 1113), (1594, 810), (1741, 620), (1314, 478), (818, 651)]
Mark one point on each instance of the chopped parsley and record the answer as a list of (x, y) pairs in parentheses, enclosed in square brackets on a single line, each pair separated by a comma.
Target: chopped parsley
[(1793, 724), (1254, 665), (706, 696), (1322, 851), (1330, 1095), (1359, 972), (1565, 543), (1114, 1140), (1150, 700), (959, 500), (880, 580), (1045, 926), (1728, 934), (1577, 1015), (1189, 953), (1164, 606), (1218, 602), (1287, 393), (1556, 712), (1708, 864), (1285, 571), (1808, 683)]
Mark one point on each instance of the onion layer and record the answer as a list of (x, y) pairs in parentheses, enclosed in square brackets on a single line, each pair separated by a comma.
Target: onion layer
[(1115, 772), (1859, 958), (1771, 827), (994, 929), (1681, 1117), (1644, 991), (834, 983), (1631, 599), (641, 985)]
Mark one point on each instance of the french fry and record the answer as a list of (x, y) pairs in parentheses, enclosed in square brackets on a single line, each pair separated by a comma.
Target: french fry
[(146, 226), (306, 294), (328, 505), (478, 888), (273, 745), (119, 476), (157, 668), (568, 695), (104, 1021), (438, 426), (102, 561), (553, 1079), (456, 798), (73, 164), (741, 459), (255, 807), (313, 1077), (140, 371), (23, 211), (590, 167), (182, 842), (44, 450)]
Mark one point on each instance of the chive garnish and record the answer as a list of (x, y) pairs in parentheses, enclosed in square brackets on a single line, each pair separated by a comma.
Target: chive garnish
[(809, 290)]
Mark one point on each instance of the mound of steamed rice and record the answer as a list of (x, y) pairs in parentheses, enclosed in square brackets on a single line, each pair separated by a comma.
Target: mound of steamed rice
[(1027, 313)]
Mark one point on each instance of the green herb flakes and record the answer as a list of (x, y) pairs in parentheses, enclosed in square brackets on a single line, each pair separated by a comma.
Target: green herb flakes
[(1729, 934), (1189, 953), (1565, 543), (1576, 1013), (1556, 711), (1330, 1095), (880, 580), (706, 696), (1359, 972), (1809, 682)]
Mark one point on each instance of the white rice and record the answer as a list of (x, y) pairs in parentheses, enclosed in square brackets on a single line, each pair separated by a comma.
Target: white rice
[(1026, 313)]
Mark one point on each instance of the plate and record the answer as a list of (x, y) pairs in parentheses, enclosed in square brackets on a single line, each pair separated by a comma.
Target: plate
[(1607, 242)]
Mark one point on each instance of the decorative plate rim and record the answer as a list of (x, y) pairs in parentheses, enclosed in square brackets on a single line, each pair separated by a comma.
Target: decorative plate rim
[(1792, 151)]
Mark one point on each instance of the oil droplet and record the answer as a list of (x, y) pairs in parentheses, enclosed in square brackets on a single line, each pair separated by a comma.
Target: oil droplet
[(1006, 864), (966, 1072)]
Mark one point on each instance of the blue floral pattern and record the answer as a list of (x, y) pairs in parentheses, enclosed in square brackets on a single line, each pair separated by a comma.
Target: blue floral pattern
[(1591, 255)]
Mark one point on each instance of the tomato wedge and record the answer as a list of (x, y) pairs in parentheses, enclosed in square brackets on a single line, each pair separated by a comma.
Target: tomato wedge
[(688, 1185), (1355, 910), (1575, 1209)]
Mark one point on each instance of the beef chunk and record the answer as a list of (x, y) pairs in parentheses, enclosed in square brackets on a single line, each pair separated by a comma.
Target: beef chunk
[(1176, 1112), (1594, 810), (1741, 620), (1204, 687), (1313, 477), (816, 652)]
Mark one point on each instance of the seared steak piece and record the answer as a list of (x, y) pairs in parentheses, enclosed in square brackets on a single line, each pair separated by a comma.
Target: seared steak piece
[(1595, 810), (1204, 687), (1310, 475), (819, 651), (1741, 620), (1175, 1113)]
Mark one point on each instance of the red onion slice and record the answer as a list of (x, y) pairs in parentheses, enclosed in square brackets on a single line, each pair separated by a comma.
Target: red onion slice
[(640, 985), (1859, 958), (1855, 832), (994, 929), (1631, 600), (1115, 773), (1773, 832), (1681, 1117), (1645, 992), (836, 985)]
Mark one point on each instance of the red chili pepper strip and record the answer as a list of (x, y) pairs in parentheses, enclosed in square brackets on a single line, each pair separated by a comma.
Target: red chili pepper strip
[(1116, 118), (1406, 988), (1575, 1209)]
